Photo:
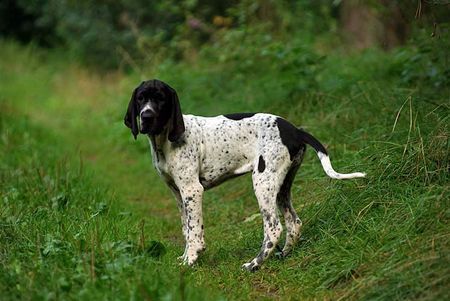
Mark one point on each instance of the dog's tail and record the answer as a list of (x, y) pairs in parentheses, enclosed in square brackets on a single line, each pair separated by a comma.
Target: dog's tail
[(325, 160)]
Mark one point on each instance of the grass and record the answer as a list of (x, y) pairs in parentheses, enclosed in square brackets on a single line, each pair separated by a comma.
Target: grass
[(84, 215)]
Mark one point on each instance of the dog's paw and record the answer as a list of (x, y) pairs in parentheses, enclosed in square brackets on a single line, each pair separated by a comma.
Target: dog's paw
[(191, 256), (182, 257), (189, 260), (250, 267)]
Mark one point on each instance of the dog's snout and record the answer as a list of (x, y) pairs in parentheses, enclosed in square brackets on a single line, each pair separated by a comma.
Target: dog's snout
[(147, 114)]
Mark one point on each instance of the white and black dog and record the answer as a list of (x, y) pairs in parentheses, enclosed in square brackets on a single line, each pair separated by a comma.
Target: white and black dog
[(194, 153)]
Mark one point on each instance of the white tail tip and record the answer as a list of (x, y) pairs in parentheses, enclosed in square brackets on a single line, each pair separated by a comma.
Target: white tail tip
[(326, 164)]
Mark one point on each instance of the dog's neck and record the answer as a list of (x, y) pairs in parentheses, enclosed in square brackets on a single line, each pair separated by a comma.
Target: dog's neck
[(158, 143)]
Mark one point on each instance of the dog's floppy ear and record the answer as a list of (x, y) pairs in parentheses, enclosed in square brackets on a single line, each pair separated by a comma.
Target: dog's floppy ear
[(176, 123), (130, 119)]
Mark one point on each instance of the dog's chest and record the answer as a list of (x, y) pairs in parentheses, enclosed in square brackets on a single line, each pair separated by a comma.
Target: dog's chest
[(161, 166)]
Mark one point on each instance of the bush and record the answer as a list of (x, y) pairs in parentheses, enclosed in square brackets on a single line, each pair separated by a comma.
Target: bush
[(425, 61)]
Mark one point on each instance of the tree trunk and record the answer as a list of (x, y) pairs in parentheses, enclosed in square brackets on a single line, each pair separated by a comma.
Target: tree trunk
[(380, 23)]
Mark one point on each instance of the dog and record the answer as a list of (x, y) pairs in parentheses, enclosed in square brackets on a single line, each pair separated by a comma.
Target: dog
[(194, 153)]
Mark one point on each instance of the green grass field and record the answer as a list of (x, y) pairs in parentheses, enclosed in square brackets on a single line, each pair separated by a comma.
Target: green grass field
[(83, 214)]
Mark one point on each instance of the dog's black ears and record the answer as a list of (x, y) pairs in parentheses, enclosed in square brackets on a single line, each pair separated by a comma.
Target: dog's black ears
[(176, 124), (130, 119)]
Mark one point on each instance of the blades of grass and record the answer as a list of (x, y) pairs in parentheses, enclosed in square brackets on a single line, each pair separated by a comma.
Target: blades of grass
[(410, 127), (398, 113)]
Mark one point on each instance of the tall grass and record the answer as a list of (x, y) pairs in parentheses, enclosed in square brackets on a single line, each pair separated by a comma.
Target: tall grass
[(84, 216)]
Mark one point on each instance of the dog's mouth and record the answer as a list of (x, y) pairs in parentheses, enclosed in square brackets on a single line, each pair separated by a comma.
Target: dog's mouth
[(149, 125), (147, 121)]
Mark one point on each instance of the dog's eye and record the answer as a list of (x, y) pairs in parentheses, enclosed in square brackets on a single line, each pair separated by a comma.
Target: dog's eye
[(140, 98)]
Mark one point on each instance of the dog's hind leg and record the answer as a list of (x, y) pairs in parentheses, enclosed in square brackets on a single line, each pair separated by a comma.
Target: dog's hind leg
[(267, 180), (292, 221)]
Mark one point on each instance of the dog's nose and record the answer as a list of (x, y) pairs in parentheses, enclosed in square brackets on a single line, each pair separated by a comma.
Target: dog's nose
[(147, 114)]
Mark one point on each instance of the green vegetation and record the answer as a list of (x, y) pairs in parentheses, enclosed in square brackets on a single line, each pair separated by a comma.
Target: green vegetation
[(83, 214)]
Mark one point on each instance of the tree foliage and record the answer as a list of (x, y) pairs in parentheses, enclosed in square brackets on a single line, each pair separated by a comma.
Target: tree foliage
[(110, 34)]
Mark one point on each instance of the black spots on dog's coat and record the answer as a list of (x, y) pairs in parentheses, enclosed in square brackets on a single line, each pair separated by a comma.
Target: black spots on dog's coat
[(238, 116), (261, 164)]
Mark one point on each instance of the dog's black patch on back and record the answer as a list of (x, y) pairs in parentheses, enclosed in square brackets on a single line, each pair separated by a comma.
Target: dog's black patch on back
[(238, 116), (261, 164), (290, 136)]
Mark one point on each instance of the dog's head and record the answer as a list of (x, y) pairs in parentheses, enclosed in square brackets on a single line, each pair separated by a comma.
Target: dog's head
[(157, 107)]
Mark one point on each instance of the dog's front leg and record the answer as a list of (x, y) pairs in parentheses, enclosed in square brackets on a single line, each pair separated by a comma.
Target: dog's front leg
[(180, 205), (193, 224)]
